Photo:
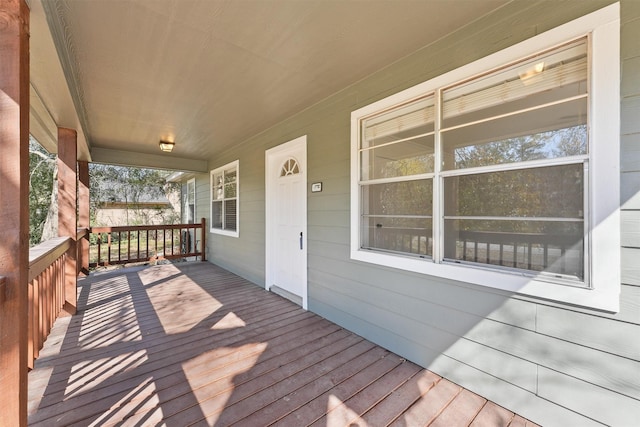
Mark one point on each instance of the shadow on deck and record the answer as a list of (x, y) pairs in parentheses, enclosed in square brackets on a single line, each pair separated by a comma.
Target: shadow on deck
[(193, 344)]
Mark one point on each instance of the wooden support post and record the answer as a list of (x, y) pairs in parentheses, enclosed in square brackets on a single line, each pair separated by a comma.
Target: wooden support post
[(83, 216), (67, 202), (14, 209)]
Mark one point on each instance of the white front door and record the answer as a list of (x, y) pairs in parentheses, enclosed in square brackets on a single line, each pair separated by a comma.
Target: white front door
[(286, 220)]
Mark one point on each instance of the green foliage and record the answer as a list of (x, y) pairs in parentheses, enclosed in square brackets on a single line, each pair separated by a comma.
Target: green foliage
[(131, 187), (41, 170)]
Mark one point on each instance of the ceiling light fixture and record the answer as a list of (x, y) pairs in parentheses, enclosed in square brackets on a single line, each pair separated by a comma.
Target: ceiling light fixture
[(167, 146)]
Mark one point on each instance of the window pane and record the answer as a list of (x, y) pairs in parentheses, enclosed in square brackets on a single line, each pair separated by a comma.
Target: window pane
[(230, 215), (411, 157), (406, 235), (407, 121), (555, 247), (545, 78), (551, 192), (216, 214), (397, 216), (494, 235), (230, 190), (398, 198), (217, 187), (230, 176), (547, 133)]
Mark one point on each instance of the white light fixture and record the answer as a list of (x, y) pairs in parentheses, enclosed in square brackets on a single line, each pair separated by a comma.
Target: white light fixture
[(167, 146)]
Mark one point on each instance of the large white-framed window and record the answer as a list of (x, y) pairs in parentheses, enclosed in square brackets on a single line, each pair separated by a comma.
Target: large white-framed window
[(225, 192), (502, 173)]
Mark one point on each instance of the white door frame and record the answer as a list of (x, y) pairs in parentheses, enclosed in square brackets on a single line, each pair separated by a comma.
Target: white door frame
[(271, 173)]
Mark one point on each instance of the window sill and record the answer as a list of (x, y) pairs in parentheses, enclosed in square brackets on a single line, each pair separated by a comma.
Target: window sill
[(513, 283), (224, 232)]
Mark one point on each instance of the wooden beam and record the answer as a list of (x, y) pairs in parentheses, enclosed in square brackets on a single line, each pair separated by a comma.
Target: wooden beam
[(67, 208), (146, 160), (14, 211), (83, 216)]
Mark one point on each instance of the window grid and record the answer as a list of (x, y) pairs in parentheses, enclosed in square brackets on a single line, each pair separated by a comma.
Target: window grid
[(440, 174), (224, 199)]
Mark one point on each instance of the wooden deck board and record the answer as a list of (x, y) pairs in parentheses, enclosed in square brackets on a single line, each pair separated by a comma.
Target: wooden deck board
[(193, 344)]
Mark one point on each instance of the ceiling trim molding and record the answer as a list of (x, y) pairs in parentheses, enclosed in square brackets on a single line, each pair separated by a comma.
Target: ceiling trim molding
[(145, 160), (66, 54)]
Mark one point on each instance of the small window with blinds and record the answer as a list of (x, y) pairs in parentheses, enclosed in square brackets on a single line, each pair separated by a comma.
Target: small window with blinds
[(224, 199)]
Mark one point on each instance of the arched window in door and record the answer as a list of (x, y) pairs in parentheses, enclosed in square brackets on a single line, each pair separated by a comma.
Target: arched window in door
[(289, 167)]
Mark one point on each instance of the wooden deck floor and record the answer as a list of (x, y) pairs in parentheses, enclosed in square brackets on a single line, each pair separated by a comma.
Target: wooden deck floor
[(192, 344)]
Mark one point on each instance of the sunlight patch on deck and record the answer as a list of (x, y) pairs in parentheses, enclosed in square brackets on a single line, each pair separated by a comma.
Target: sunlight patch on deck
[(212, 377), (339, 414), (145, 391), (229, 321), (179, 302), (86, 376)]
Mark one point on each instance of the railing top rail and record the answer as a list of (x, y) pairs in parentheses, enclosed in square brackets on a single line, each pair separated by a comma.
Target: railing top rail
[(143, 227), (82, 233), (43, 255)]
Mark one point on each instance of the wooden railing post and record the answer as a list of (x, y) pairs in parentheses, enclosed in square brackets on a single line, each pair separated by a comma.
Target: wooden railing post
[(203, 244), (83, 216), (14, 204), (67, 202)]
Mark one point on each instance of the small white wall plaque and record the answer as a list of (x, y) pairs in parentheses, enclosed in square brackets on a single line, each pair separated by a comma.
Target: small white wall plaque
[(316, 187)]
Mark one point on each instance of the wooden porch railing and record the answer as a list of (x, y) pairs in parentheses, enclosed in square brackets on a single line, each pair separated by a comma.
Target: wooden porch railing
[(47, 265), (129, 244), (46, 291)]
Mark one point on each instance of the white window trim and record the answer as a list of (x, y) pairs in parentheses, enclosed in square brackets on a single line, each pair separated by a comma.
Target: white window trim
[(232, 233), (189, 181), (604, 161)]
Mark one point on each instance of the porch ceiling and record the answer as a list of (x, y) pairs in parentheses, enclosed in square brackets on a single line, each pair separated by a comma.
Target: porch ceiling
[(212, 73)]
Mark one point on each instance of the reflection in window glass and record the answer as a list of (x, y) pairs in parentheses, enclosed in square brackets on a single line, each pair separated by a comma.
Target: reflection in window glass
[(528, 219), (397, 216), (411, 157)]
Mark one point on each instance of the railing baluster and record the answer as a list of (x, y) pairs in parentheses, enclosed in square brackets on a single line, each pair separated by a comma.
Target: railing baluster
[(488, 253), (109, 248), (99, 241), (545, 256)]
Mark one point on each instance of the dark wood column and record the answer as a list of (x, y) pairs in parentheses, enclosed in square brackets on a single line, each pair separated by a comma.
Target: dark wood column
[(14, 210), (67, 213), (83, 215)]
